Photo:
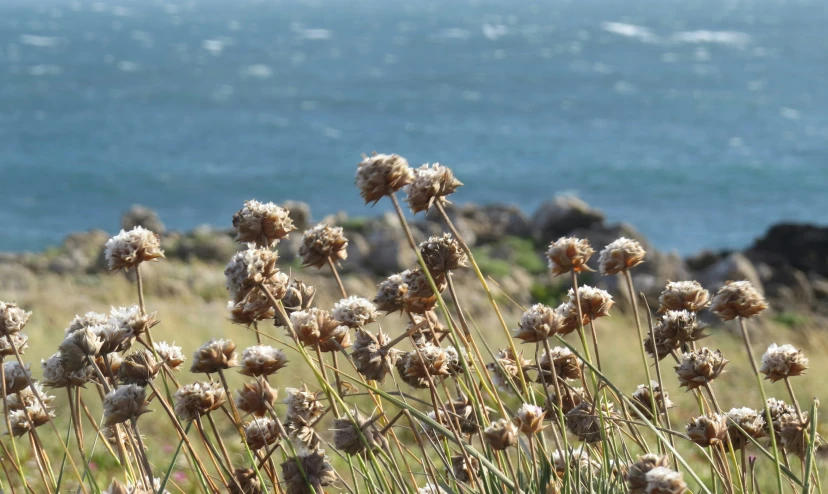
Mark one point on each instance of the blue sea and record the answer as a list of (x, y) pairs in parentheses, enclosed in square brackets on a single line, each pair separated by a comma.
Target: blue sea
[(700, 122)]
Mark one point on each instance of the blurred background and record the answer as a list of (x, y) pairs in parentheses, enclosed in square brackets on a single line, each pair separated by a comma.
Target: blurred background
[(701, 123)]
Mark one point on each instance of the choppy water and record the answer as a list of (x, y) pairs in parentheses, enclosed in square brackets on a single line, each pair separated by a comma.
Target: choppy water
[(699, 122)]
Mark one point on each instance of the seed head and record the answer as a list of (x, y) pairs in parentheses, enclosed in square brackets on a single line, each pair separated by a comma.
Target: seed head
[(461, 412), (419, 297), (381, 175), (256, 397), (431, 184), (579, 460), (301, 433), (56, 376), (737, 299), (664, 344), (595, 302), (390, 294), (529, 419), (317, 468), (584, 421), (213, 356), (781, 362), (125, 403), (262, 360), (77, 348), (501, 434), (463, 470), (777, 409), (642, 399), (301, 402), (298, 296), (87, 320), (25, 398), (538, 323), (199, 398), (323, 242), (130, 248), (637, 474), (263, 224), (620, 255), (370, 356), (427, 360), (424, 327), (700, 367), (20, 419), (749, 420), (570, 398), (247, 482), (261, 432), (170, 354), (662, 480), (683, 295), (569, 315), (402, 365), (253, 308), (355, 312), (455, 357), (139, 368), (707, 430), (681, 326), (793, 430), (566, 365), (317, 327), (443, 254), (113, 337), (430, 488), (569, 254), (347, 435), (19, 341), (12, 318), (118, 488), (250, 268), (132, 321), (506, 368)]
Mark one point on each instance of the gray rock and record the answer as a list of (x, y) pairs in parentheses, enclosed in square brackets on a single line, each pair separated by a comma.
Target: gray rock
[(560, 216), (359, 253), (300, 213), (389, 249), (489, 223), (735, 267), (204, 243), (142, 216)]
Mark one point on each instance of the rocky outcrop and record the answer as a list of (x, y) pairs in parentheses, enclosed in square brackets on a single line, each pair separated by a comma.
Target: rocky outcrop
[(142, 216), (562, 215)]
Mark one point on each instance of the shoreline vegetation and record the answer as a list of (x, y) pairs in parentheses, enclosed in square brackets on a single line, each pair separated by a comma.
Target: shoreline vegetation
[(468, 349)]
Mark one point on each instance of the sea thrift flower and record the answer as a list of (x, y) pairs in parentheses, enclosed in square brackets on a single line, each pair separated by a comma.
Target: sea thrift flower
[(529, 419), (321, 243), (506, 368), (664, 344), (700, 367), (262, 223), (430, 488), (419, 296), (595, 302), (620, 255), (662, 480), (55, 376), (251, 268), (17, 377), (461, 412), (253, 308), (584, 421), (170, 354), (579, 460), (390, 294), (77, 348), (199, 398), (431, 184), (131, 320), (455, 357), (781, 362), (737, 299), (125, 403), (463, 470), (538, 323), (301, 402), (501, 434), (262, 360), (642, 399), (381, 175), (87, 320), (301, 433), (247, 482), (569, 254), (748, 420), (427, 360), (12, 318), (793, 431), (681, 326), (443, 254), (128, 249), (570, 321), (261, 432), (214, 356), (20, 419), (371, 357), (402, 365), (139, 368), (298, 296), (317, 327), (317, 468), (113, 337), (347, 437), (637, 474), (683, 295), (256, 397), (25, 398), (570, 398), (355, 312), (707, 430), (566, 364), (19, 342)]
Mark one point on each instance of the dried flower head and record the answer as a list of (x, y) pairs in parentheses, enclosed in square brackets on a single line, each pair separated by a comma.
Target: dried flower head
[(17, 377), (570, 320), (301, 402), (371, 357), (561, 362), (78, 347), (427, 360), (302, 433), (262, 360), (256, 397), (355, 312), (744, 419), (113, 337), (681, 326), (170, 354), (132, 321), (707, 430), (455, 357), (737, 299), (584, 421), (323, 242), (22, 420), (262, 223), (139, 368), (781, 362), (347, 435), (461, 412), (700, 367), (529, 419), (443, 254), (112, 362), (538, 323), (505, 370), (637, 474), (25, 398), (570, 398), (390, 294), (253, 308), (431, 488), (87, 320), (402, 364), (419, 296), (249, 269), (569, 254), (683, 295), (424, 327), (580, 462), (128, 249), (643, 399), (19, 342), (595, 302), (431, 184), (214, 356), (125, 403), (501, 434), (56, 376), (196, 399), (620, 255), (793, 431), (664, 345), (777, 409), (246, 482), (298, 296), (317, 327), (317, 468), (463, 470), (261, 432), (381, 175), (662, 480), (118, 488), (12, 318)]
